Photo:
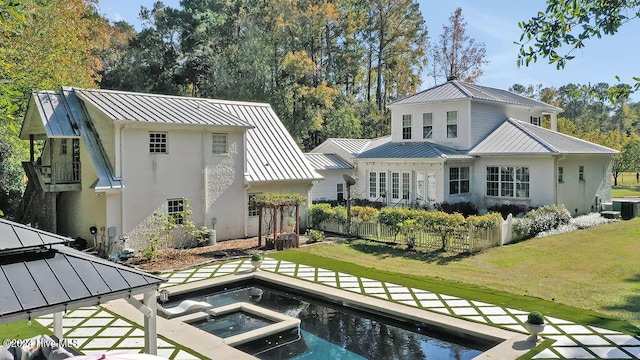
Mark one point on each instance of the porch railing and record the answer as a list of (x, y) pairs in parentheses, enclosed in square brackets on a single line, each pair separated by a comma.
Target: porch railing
[(61, 172)]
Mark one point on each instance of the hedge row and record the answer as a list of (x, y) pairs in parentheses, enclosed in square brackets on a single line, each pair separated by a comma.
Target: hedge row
[(544, 218)]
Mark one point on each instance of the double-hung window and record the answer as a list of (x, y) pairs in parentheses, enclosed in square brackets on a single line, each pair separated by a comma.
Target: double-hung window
[(340, 192), (175, 209), (406, 126), (452, 124), (252, 208), (508, 181), (581, 173), (560, 174), (158, 142), (219, 144), (63, 146), (427, 125), (459, 180)]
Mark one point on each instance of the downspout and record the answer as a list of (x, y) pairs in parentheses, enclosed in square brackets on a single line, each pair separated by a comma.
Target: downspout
[(119, 174), (246, 213), (555, 175), (205, 181)]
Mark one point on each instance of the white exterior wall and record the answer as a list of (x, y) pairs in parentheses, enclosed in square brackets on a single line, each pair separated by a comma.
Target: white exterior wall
[(580, 196), (541, 180), (439, 111), (326, 189), (152, 179)]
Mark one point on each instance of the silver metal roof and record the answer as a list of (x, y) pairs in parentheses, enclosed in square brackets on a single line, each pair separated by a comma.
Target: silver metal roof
[(272, 155), (54, 115), (130, 106), (519, 137), (352, 146), (14, 236), (40, 281), (321, 161), (457, 90), (385, 148)]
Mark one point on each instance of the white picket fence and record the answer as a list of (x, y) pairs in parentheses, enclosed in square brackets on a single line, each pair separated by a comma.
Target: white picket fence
[(464, 239)]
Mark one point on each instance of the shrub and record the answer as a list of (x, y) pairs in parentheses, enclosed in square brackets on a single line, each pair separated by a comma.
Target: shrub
[(320, 213), (314, 236), (542, 219), (408, 228), (536, 318), (391, 217), (487, 221), (464, 208), (522, 227), (256, 257), (590, 220), (363, 213), (506, 209)]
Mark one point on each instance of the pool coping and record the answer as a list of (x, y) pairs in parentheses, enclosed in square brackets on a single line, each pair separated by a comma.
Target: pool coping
[(511, 344)]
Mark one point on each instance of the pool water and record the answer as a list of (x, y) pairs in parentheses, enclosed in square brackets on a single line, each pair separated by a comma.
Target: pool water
[(331, 331), (232, 324)]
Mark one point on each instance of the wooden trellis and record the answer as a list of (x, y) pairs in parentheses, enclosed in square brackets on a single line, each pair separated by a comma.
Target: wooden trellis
[(279, 203)]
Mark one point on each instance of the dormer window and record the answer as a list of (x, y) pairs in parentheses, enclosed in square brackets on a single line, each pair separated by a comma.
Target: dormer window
[(452, 124), (406, 126), (427, 125), (535, 120)]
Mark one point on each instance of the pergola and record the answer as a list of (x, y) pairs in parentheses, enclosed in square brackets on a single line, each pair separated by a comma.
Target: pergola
[(278, 202), (40, 275)]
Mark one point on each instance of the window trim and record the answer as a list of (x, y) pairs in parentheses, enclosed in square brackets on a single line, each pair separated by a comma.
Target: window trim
[(459, 180), (425, 118), (158, 142), (373, 182), (63, 146), (560, 175), (451, 125), (406, 129), (213, 143), (581, 173), (176, 209), (508, 188), (340, 191), (252, 209)]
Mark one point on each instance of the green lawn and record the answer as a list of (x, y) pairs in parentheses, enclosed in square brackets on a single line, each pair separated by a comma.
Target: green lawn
[(577, 276), (22, 330)]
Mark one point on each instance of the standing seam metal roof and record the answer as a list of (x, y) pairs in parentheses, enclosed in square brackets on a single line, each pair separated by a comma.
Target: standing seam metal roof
[(385, 148), (129, 106), (519, 137), (457, 90), (320, 161), (49, 279)]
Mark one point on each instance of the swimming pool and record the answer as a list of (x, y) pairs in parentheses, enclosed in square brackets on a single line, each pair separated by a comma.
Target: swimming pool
[(331, 330)]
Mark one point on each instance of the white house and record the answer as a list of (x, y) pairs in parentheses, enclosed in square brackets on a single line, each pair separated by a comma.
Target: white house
[(111, 159), (463, 142)]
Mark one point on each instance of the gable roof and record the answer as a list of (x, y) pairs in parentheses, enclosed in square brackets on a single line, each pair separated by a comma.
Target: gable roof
[(321, 161), (140, 107), (350, 146), (458, 90), (384, 148), (50, 277), (519, 137), (54, 116)]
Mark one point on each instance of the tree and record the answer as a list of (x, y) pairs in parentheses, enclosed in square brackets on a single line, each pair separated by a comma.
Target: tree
[(545, 33), (456, 55)]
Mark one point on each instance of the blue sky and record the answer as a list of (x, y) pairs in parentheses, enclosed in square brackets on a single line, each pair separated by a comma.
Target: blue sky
[(493, 22)]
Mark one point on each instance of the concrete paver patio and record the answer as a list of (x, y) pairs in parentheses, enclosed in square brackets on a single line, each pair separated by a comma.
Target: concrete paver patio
[(96, 330)]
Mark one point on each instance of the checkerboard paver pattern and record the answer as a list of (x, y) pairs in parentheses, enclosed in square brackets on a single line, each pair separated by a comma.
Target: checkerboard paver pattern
[(96, 330)]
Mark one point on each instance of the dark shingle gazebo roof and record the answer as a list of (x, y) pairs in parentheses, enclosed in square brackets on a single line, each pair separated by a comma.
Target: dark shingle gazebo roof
[(40, 275)]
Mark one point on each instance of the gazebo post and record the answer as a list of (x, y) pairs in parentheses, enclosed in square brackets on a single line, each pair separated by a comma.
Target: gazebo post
[(259, 226), (150, 323), (297, 225), (58, 329), (275, 226)]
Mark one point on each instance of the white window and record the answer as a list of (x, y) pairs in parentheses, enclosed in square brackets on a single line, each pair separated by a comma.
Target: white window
[(406, 126), (219, 144), (581, 173), (406, 184), (383, 184), (508, 181), (427, 125), (373, 179), (340, 192), (535, 120), (452, 124), (395, 185), (252, 208), (560, 175), (158, 142), (459, 180), (175, 209)]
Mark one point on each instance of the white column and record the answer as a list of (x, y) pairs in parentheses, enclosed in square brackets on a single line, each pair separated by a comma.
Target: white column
[(150, 324), (554, 122), (58, 329)]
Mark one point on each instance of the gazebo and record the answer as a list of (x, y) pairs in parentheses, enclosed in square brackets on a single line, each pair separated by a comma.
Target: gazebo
[(278, 202), (40, 275)]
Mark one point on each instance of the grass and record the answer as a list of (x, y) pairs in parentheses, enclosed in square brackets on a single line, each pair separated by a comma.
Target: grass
[(627, 185), (589, 276), (22, 330)]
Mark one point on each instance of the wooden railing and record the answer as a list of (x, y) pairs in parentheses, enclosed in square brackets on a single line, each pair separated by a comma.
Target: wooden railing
[(67, 172)]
